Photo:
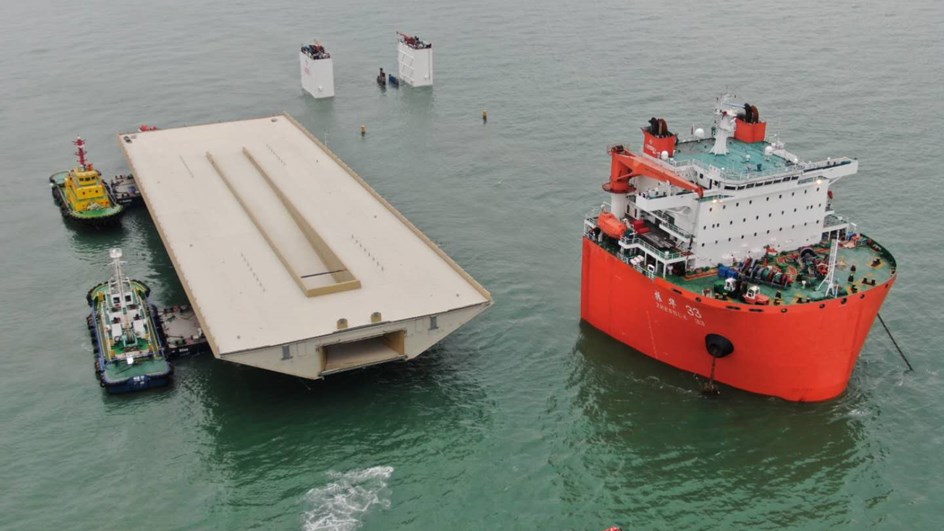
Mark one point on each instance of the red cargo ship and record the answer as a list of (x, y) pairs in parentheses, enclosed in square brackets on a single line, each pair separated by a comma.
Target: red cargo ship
[(722, 255)]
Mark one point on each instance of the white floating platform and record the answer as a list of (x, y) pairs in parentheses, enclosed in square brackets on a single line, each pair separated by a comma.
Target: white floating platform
[(291, 261)]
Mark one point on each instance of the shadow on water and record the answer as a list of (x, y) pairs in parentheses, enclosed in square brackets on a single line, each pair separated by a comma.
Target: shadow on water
[(275, 436), (320, 115), (658, 451), (91, 245), (148, 250)]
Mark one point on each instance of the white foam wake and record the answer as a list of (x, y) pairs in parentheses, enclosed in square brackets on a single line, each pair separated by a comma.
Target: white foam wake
[(338, 505)]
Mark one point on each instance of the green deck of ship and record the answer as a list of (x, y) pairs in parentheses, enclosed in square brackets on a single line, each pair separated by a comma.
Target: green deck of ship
[(119, 370), (116, 368), (742, 158), (862, 257)]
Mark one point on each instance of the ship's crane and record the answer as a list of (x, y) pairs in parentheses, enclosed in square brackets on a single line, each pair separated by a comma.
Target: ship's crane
[(627, 165)]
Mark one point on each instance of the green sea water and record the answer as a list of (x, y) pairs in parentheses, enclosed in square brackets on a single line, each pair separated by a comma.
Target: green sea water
[(523, 419)]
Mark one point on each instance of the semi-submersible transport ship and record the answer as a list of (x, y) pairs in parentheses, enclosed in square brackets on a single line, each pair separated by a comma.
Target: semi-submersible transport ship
[(722, 255)]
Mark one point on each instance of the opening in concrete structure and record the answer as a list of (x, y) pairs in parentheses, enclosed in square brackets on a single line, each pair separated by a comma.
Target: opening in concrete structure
[(362, 353)]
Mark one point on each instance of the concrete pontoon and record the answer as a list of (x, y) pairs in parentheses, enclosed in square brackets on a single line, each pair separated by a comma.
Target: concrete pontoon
[(291, 261)]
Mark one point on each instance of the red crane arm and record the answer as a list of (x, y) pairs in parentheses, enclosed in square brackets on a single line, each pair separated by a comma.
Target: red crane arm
[(627, 165)]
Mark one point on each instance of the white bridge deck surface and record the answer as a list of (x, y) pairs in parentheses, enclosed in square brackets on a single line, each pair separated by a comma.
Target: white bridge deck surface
[(275, 239)]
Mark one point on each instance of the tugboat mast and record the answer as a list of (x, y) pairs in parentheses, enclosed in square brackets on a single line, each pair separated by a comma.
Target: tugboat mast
[(126, 328), (116, 262), (83, 162)]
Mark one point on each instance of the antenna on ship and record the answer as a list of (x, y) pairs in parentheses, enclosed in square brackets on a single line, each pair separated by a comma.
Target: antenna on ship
[(832, 288)]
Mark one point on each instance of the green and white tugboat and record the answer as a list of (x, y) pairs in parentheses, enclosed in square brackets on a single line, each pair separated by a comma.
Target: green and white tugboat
[(129, 355), (82, 196)]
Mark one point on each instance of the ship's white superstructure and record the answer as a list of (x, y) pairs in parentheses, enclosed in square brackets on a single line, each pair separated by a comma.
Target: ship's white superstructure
[(721, 197)]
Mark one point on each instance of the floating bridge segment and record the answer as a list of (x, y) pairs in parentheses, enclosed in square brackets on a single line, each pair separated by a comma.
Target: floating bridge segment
[(292, 262)]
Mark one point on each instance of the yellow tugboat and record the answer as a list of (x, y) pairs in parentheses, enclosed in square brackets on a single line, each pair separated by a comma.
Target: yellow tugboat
[(82, 196)]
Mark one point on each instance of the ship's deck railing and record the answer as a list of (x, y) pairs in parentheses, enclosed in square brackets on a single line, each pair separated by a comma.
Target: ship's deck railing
[(631, 240), (629, 261), (715, 172), (661, 215)]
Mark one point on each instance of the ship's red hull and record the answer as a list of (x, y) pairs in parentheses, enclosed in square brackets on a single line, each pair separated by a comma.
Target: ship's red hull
[(800, 352)]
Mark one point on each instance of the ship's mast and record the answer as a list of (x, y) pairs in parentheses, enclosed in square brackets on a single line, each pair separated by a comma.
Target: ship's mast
[(83, 162), (116, 262)]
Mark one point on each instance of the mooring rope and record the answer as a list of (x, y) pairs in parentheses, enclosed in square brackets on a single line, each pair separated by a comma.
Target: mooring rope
[(890, 336)]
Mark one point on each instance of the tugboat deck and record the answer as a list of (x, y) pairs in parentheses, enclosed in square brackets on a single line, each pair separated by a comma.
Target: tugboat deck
[(278, 243)]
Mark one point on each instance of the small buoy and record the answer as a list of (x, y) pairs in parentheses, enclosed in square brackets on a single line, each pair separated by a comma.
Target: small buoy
[(484, 116), (363, 130)]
